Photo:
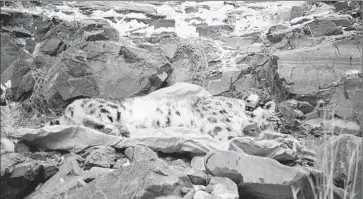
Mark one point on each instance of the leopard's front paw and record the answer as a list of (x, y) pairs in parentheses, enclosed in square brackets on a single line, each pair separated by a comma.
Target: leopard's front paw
[(111, 130), (125, 134)]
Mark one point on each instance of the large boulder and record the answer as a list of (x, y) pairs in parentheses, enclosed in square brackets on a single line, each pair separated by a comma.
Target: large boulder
[(10, 51), (15, 66), (48, 37), (319, 28), (259, 177), (16, 18), (295, 38), (252, 71), (68, 178), (97, 68), (141, 179), (343, 154), (20, 175), (327, 76), (70, 77), (322, 65)]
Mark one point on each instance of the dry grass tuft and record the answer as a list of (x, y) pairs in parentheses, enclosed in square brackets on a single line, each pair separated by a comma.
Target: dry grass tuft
[(326, 164), (194, 51), (36, 109)]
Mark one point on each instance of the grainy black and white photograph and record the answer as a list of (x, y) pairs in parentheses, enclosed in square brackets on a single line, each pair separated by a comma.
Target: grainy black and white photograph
[(181, 99)]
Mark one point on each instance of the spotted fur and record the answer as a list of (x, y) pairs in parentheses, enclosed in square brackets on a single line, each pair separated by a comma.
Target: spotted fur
[(220, 117)]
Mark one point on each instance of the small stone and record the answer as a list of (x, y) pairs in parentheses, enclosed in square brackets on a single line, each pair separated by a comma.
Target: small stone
[(68, 12), (341, 5), (189, 195), (198, 163), (7, 146), (141, 153), (20, 147), (198, 177), (300, 20), (179, 163), (129, 153), (95, 172), (53, 46), (206, 7), (158, 79), (289, 109), (97, 35), (276, 33), (252, 130), (21, 32), (169, 47), (190, 10), (223, 188), (163, 23), (305, 107), (203, 195), (122, 162), (215, 31), (103, 157)]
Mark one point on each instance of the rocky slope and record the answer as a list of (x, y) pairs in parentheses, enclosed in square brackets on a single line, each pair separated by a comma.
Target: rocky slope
[(307, 57)]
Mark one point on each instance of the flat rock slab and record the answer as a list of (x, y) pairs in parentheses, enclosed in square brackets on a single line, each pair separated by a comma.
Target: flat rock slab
[(308, 70)]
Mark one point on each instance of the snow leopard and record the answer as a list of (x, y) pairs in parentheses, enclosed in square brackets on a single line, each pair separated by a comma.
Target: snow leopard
[(222, 118)]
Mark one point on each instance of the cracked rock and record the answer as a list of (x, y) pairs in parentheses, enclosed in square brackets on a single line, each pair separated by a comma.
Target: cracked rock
[(103, 157)]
